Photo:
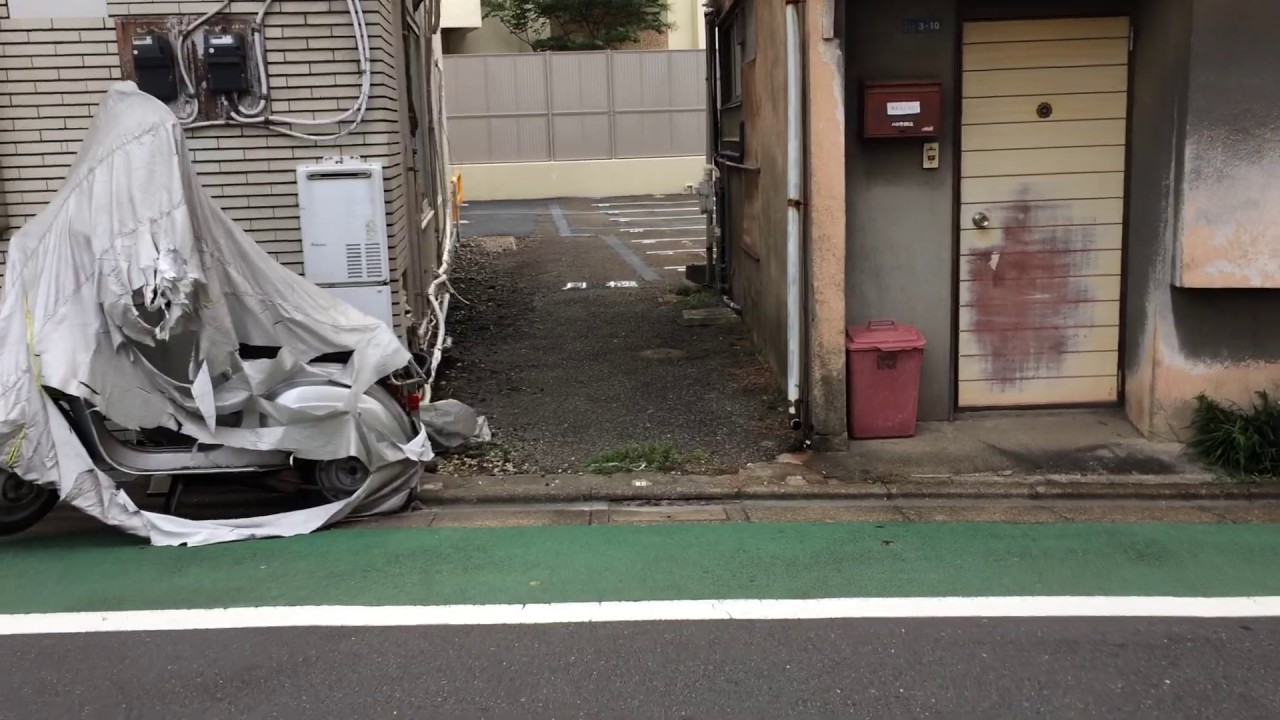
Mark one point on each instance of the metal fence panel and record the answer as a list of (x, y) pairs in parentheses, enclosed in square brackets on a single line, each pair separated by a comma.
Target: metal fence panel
[(536, 107)]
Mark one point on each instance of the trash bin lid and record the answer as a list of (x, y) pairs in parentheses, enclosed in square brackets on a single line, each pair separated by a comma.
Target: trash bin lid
[(884, 336)]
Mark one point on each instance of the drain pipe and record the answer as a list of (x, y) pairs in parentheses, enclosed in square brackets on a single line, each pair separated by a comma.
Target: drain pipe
[(795, 201)]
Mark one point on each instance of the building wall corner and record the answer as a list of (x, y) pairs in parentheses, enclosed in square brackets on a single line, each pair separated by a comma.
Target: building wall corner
[(825, 220)]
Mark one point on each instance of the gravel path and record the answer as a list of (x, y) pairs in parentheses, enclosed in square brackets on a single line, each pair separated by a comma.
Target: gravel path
[(566, 374)]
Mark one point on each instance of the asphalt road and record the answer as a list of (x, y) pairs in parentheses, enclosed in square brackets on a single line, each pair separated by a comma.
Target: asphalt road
[(865, 668)]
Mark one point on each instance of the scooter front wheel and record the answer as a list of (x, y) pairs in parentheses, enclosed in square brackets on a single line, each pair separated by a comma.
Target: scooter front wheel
[(22, 503)]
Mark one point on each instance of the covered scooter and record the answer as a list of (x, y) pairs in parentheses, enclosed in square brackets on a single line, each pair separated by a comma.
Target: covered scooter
[(142, 332)]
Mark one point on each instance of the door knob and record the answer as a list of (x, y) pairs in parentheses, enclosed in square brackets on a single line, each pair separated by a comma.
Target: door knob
[(980, 220)]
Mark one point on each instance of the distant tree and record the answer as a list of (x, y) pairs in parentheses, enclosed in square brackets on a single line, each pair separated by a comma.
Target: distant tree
[(578, 24)]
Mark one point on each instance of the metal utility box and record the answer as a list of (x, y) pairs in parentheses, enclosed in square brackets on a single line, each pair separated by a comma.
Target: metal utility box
[(154, 66), (227, 56), (901, 109), (343, 213)]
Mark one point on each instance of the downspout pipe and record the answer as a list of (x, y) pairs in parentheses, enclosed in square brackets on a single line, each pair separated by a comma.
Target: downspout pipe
[(795, 220)]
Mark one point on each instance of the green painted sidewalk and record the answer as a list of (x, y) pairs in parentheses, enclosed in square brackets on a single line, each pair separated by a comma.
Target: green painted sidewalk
[(556, 564)]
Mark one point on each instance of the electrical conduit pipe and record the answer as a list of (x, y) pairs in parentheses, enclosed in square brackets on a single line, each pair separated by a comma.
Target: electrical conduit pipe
[(795, 200)]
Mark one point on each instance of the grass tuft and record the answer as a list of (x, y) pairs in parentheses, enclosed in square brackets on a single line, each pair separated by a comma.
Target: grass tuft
[(639, 457), (1242, 442)]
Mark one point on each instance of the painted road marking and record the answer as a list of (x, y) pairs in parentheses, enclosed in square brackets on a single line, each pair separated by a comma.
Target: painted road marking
[(642, 269), (654, 219), (675, 267), (675, 252), (650, 210), (562, 224), (610, 284), (662, 229), (661, 240), (646, 202), (642, 611)]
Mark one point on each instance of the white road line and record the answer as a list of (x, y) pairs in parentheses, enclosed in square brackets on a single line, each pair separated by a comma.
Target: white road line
[(663, 229), (622, 284), (574, 286), (654, 219), (651, 241), (650, 210), (676, 252), (644, 611), (646, 202), (675, 267)]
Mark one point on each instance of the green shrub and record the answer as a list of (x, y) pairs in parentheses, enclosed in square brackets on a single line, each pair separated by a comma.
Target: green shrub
[(1244, 442)]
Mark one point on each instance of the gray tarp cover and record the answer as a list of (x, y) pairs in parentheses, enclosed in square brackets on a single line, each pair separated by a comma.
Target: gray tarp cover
[(132, 254)]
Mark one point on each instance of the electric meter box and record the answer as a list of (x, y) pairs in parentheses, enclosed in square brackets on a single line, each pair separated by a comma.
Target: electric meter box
[(227, 58), (902, 109), (154, 66)]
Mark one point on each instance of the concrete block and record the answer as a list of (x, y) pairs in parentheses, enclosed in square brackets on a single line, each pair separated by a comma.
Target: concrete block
[(824, 514), (709, 316), (1000, 513), (646, 516), (509, 518)]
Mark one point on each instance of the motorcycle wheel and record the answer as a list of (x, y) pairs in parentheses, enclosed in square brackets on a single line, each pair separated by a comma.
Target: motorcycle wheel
[(22, 504)]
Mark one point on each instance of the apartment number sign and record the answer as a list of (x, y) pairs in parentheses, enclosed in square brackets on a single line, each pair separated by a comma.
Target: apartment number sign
[(912, 27)]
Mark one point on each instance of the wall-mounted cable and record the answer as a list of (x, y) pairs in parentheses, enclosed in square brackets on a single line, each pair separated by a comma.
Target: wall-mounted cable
[(254, 116)]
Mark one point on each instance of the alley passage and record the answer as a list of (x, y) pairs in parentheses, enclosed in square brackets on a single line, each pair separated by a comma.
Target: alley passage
[(569, 336)]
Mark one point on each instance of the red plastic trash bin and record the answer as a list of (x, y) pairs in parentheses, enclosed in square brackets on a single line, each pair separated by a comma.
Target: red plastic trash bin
[(884, 379)]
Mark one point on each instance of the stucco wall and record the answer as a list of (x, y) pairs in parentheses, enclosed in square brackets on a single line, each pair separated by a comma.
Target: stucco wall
[(826, 225), (1230, 236), (900, 216), (1181, 342), (758, 265), (491, 37)]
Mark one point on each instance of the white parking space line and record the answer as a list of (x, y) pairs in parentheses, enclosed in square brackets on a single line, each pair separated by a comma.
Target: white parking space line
[(663, 229), (654, 219), (651, 241), (645, 202), (651, 210), (675, 252)]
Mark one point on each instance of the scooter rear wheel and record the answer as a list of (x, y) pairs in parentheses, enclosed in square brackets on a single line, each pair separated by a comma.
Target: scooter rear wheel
[(339, 479), (22, 504)]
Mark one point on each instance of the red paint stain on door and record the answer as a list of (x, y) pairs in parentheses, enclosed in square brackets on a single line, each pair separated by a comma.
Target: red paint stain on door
[(1027, 293)]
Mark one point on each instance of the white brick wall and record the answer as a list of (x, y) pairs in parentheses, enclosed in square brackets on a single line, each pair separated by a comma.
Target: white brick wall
[(53, 73)]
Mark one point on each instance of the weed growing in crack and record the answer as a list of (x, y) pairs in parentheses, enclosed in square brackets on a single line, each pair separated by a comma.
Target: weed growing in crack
[(639, 457)]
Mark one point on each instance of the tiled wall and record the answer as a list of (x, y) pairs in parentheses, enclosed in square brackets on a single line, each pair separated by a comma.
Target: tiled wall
[(53, 73)]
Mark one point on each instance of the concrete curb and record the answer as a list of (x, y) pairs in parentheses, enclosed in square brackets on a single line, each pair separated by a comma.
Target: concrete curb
[(794, 482)]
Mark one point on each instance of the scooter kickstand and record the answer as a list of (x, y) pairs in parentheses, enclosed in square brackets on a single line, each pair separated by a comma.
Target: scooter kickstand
[(171, 498)]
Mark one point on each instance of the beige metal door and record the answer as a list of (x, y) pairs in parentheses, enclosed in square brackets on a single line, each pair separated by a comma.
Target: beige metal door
[(1042, 211)]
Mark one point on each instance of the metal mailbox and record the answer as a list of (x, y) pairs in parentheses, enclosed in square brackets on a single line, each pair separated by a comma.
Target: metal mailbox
[(902, 109)]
